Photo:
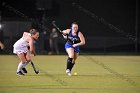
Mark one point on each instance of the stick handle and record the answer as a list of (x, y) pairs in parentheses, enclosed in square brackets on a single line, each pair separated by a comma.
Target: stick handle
[(53, 22)]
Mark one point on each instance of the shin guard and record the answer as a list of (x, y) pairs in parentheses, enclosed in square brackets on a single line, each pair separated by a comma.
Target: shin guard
[(69, 63)]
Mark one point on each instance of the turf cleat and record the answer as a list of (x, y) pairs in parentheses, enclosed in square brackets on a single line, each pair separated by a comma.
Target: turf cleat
[(24, 70), (20, 73), (68, 72)]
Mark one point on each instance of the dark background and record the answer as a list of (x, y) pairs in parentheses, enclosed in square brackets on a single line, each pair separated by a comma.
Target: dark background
[(100, 38)]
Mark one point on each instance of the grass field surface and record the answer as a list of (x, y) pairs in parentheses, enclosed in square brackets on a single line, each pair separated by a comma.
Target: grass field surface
[(95, 74)]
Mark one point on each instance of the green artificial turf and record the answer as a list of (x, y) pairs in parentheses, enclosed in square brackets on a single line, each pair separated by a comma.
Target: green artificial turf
[(95, 74)]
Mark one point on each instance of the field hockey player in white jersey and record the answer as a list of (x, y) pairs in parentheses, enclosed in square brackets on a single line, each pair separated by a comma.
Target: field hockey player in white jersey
[(22, 51)]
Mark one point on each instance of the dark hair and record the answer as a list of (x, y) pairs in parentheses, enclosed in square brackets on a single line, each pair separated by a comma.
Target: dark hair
[(33, 31), (75, 23)]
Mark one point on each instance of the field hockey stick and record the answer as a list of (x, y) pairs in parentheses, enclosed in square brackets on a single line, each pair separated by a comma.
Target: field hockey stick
[(64, 35), (34, 68), (53, 23)]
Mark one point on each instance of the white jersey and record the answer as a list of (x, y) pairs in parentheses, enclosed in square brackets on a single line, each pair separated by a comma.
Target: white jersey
[(21, 46)]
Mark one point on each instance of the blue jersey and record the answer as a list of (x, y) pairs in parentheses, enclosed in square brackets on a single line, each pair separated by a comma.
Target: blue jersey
[(72, 41)]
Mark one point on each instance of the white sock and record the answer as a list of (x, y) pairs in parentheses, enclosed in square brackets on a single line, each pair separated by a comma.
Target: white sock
[(26, 63), (20, 66)]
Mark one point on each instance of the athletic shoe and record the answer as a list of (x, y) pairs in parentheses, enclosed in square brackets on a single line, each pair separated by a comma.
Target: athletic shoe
[(24, 70), (68, 72), (20, 73)]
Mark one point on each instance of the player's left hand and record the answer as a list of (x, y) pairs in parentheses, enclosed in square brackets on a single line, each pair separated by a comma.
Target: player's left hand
[(33, 53), (74, 45)]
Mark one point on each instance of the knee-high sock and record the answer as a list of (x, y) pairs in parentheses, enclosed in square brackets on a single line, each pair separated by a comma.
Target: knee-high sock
[(71, 66), (26, 63), (69, 63), (20, 66)]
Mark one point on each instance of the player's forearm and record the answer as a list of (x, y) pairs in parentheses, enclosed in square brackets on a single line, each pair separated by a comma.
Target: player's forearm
[(32, 50), (79, 44)]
